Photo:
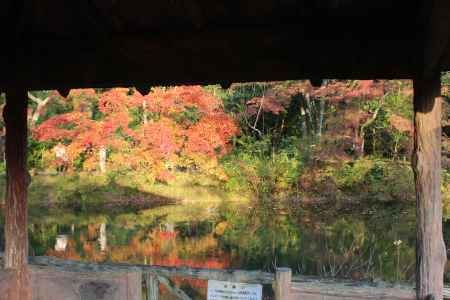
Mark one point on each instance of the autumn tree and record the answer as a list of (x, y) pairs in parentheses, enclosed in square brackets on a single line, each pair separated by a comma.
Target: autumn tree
[(169, 127)]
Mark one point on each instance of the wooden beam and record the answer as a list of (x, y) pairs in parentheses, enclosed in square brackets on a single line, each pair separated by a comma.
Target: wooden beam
[(437, 36), (430, 248), (209, 57), (16, 211), (446, 59), (254, 276), (316, 82)]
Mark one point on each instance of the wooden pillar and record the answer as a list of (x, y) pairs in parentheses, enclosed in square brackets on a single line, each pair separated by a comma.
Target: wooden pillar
[(282, 284), (430, 249), (16, 211)]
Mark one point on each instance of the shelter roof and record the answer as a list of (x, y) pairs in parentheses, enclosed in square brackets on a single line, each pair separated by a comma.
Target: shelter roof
[(52, 44)]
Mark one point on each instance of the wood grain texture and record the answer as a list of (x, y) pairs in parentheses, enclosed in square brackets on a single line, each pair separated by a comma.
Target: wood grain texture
[(16, 209), (282, 284), (49, 284), (151, 286), (426, 162), (6, 281)]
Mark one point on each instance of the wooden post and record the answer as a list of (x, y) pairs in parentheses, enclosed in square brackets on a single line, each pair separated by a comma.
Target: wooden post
[(152, 286), (282, 284), (430, 249), (16, 213)]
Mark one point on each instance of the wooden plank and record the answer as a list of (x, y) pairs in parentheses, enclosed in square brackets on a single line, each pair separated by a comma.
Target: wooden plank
[(50, 284), (335, 290), (18, 179), (430, 248), (309, 287), (152, 286), (301, 285), (173, 288), (198, 273)]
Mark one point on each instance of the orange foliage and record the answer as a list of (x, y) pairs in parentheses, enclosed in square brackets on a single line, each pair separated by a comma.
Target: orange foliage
[(347, 90), (176, 99), (177, 121), (210, 136), (401, 124), (163, 137)]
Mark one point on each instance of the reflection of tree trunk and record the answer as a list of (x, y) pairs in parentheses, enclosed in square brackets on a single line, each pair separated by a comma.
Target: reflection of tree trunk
[(102, 239), (169, 227), (61, 242), (102, 159)]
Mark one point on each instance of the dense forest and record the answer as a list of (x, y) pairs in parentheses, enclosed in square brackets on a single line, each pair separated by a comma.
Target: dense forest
[(284, 173)]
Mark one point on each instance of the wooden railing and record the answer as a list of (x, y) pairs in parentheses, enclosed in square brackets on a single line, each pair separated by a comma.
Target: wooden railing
[(285, 286), (155, 275)]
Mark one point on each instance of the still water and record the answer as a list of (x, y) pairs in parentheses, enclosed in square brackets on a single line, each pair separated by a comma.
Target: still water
[(367, 245)]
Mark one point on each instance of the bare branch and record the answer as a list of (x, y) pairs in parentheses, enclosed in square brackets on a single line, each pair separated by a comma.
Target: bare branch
[(38, 100)]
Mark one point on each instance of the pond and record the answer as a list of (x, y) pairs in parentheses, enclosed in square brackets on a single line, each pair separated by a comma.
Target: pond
[(371, 244)]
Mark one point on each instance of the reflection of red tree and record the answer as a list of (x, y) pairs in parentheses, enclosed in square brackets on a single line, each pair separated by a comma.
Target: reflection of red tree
[(220, 261), (159, 248), (206, 263), (166, 235)]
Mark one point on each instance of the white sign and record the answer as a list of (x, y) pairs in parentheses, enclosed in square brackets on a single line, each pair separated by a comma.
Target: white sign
[(223, 290)]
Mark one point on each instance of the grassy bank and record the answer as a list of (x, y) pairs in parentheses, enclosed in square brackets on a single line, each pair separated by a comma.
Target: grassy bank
[(92, 194)]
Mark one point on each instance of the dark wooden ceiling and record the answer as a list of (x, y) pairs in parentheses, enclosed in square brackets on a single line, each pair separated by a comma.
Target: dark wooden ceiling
[(53, 44)]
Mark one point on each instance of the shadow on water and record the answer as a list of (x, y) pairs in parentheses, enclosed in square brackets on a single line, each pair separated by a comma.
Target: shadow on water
[(93, 198)]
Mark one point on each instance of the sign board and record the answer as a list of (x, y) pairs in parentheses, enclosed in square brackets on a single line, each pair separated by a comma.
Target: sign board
[(224, 290)]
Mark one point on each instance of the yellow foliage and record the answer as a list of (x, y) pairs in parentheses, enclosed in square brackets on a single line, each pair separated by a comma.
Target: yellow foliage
[(220, 228)]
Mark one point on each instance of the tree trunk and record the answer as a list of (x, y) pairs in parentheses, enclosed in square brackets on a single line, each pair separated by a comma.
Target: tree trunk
[(303, 121), (16, 213), (144, 112), (102, 159), (309, 112), (430, 251), (40, 107), (322, 110)]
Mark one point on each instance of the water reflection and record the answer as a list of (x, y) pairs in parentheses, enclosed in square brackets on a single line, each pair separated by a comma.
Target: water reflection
[(165, 244), (364, 245), (102, 240), (61, 243)]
